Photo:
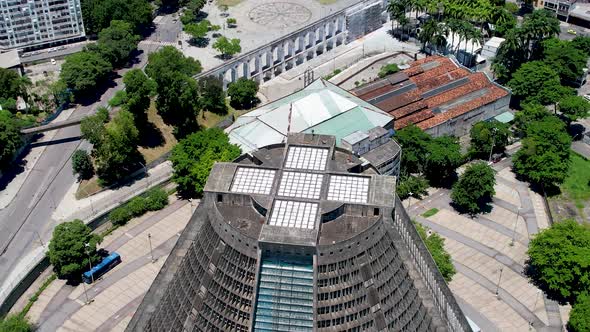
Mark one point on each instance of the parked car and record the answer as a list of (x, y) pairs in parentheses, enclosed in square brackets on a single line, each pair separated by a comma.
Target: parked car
[(572, 32), (53, 62)]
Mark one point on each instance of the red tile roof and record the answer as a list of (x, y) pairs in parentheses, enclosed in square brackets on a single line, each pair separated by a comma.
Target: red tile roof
[(430, 73)]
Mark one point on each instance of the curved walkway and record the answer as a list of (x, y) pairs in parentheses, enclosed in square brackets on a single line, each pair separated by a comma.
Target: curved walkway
[(486, 257)]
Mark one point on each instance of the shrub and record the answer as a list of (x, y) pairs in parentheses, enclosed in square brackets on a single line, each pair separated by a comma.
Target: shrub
[(120, 216), (137, 206), (580, 315), (156, 199), (118, 99), (82, 165), (389, 69), (15, 323)]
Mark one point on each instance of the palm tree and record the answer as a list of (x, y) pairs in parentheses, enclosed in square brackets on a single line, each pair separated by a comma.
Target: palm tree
[(429, 30)]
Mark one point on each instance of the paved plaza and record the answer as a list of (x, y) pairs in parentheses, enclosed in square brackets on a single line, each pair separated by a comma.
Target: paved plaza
[(489, 253), (116, 295)]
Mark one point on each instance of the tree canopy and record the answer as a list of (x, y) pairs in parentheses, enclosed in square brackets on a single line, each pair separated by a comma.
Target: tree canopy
[(558, 260), (414, 142), (530, 113), (117, 42), (10, 138), (545, 153), (98, 14), (198, 30), (485, 133), (92, 127), (83, 71), (532, 79), (178, 92), (443, 156), (227, 47), (574, 107), (243, 93), (82, 165), (436, 246), (194, 156), (475, 188), (68, 251), (11, 85), (410, 185), (564, 58), (212, 96), (580, 315), (16, 323), (117, 155), (139, 88)]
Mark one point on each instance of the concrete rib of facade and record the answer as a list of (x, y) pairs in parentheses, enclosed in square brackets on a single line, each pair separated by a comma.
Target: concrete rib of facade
[(293, 237), (36, 23)]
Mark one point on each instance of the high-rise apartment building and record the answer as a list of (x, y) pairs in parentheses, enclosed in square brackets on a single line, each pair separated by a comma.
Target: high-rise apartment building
[(32, 24), (299, 236)]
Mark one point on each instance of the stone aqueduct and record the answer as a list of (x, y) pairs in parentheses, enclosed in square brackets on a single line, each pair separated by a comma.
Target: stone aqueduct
[(304, 44)]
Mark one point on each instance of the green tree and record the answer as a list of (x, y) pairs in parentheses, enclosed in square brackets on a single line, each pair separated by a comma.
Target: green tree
[(117, 42), (177, 91), (530, 113), (536, 27), (92, 127), (198, 31), (98, 14), (227, 47), (16, 323), (71, 245), (484, 134), (10, 138), (12, 85), (83, 71), (212, 96), (532, 79), (416, 185), (574, 107), (558, 260), (475, 188), (545, 153), (82, 164), (194, 156), (582, 43), (443, 156), (117, 155), (580, 315), (564, 58), (243, 93), (436, 246), (139, 88), (414, 142)]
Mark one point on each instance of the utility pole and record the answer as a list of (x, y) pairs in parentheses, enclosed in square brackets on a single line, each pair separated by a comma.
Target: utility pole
[(88, 301), (86, 245), (494, 130)]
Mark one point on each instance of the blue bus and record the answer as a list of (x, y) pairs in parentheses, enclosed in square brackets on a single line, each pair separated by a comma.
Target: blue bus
[(101, 268)]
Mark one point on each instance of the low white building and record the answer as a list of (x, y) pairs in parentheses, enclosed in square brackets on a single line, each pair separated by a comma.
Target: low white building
[(491, 47)]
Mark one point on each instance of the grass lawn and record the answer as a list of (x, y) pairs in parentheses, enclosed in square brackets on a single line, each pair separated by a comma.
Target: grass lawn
[(430, 213), (228, 3), (327, 2), (157, 141), (151, 153), (576, 184), (209, 120)]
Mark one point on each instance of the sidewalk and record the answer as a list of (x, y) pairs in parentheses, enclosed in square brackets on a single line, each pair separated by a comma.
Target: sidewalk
[(12, 189), (117, 294), (87, 208)]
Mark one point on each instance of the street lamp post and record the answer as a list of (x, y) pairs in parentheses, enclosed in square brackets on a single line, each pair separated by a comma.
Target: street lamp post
[(147, 175), (151, 251), (498, 285), (88, 301), (514, 230), (39, 237), (86, 245)]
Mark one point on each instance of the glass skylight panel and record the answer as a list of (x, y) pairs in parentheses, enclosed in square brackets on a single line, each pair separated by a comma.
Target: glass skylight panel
[(294, 214), (348, 189), (307, 158), (253, 180), (302, 185)]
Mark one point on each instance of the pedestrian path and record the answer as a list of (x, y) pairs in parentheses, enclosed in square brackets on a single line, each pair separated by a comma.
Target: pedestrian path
[(144, 244), (489, 255)]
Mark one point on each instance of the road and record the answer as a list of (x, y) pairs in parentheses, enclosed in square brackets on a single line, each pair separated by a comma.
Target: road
[(27, 220)]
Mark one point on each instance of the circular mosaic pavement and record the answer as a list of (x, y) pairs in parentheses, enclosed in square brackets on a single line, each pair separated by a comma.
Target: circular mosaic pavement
[(280, 14)]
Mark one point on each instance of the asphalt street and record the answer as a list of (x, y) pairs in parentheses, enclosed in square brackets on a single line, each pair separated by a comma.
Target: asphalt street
[(27, 220)]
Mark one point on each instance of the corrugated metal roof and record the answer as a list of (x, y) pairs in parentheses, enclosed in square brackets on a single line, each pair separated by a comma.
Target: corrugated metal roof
[(320, 106)]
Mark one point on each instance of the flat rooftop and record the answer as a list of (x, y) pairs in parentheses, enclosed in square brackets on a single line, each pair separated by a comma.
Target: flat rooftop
[(431, 91)]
